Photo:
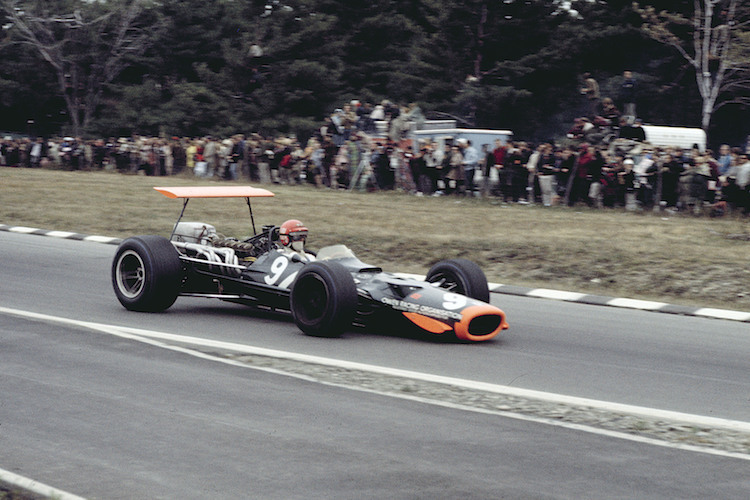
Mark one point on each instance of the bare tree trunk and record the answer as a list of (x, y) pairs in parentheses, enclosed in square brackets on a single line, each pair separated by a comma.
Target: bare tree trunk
[(711, 43), (105, 36), (480, 42), (710, 56)]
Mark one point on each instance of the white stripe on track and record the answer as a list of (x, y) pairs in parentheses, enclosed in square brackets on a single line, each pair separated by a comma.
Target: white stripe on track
[(35, 486), (545, 293), (100, 239), (646, 305), (22, 229), (723, 314), (154, 338), (60, 234)]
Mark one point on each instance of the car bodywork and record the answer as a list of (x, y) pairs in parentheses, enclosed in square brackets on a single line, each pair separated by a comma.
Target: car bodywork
[(326, 295)]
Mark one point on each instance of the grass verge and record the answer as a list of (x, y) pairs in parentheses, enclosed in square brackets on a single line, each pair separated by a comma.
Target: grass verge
[(676, 259)]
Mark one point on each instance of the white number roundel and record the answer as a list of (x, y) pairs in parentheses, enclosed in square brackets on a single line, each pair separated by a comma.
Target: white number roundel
[(452, 301)]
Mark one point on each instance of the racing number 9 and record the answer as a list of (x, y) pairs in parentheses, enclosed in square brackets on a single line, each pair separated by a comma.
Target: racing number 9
[(277, 269)]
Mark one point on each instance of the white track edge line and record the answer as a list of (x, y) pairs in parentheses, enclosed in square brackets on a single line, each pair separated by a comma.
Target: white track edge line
[(35, 486), (698, 420), (446, 404), (436, 402)]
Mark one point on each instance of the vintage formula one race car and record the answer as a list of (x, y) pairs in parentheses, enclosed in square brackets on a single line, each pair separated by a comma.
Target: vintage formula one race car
[(326, 293)]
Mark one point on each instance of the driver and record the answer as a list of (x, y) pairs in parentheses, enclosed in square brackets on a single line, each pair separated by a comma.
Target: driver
[(292, 236)]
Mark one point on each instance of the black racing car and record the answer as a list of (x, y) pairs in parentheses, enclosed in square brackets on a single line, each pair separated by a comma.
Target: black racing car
[(326, 294)]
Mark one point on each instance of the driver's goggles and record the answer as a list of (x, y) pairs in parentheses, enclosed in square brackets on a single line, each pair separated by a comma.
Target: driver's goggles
[(297, 236)]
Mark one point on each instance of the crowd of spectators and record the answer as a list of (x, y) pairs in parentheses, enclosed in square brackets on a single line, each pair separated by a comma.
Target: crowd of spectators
[(366, 147)]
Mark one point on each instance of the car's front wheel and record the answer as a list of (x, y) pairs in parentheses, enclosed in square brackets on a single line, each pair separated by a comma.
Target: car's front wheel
[(323, 299), (461, 276), (146, 273)]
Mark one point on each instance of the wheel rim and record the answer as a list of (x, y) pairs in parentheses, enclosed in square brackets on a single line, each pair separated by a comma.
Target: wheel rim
[(130, 274), (311, 297)]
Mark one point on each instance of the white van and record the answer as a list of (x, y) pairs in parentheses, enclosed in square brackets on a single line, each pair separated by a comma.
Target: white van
[(679, 137)]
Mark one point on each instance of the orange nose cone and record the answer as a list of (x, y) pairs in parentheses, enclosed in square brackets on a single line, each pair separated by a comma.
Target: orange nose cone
[(481, 322)]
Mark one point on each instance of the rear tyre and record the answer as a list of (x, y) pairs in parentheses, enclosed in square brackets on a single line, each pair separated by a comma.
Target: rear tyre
[(460, 276), (323, 299), (146, 273)]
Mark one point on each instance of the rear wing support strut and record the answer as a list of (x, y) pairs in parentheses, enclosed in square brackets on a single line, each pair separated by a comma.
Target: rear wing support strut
[(252, 219), (174, 229)]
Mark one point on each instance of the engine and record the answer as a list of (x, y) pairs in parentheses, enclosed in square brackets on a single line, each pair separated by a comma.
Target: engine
[(194, 232), (200, 241)]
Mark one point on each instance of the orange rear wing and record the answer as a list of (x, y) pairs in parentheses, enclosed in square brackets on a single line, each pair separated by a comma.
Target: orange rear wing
[(189, 192), (214, 192)]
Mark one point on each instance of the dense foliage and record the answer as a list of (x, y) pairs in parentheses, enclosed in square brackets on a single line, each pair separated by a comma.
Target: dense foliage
[(283, 65)]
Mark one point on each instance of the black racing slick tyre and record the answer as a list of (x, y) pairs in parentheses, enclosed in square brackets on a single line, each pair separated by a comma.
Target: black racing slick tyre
[(461, 276), (323, 299), (146, 273)]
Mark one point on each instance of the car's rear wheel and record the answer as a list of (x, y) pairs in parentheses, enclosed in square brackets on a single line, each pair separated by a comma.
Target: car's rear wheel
[(460, 276), (323, 299), (146, 273)]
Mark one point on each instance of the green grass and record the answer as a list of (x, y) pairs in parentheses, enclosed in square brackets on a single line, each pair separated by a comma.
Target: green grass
[(677, 259), (8, 492)]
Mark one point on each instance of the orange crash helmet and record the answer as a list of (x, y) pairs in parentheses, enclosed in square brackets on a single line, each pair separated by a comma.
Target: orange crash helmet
[(293, 233)]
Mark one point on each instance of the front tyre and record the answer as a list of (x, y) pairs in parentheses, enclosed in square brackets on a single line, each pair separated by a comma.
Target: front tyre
[(460, 276), (323, 299), (146, 273)]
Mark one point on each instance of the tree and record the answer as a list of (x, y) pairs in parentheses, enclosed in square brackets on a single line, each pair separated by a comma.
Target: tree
[(88, 44), (523, 59), (714, 41)]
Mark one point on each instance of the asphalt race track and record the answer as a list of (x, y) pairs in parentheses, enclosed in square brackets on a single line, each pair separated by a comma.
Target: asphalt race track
[(102, 416)]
